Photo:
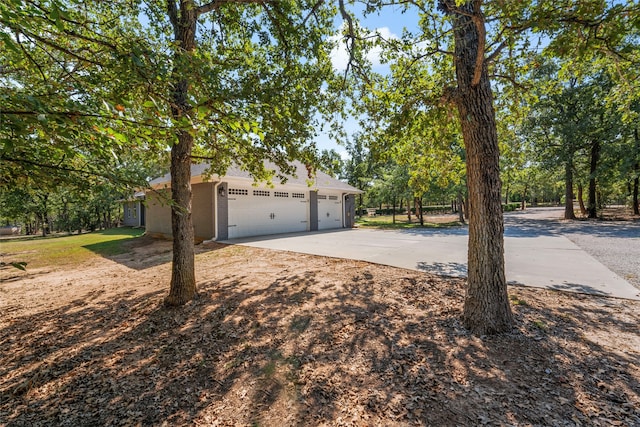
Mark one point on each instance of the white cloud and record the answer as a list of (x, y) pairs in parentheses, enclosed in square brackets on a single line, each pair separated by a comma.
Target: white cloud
[(340, 55)]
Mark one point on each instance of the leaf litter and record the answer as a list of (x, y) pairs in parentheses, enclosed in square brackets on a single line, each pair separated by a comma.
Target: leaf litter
[(284, 339)]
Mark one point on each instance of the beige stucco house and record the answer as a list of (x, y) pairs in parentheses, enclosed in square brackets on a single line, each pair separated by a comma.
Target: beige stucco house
[(233, 206)]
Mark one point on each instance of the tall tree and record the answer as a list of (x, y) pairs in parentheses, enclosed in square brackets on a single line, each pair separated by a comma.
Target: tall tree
[(282, 51), (483, 40), (222, 81)]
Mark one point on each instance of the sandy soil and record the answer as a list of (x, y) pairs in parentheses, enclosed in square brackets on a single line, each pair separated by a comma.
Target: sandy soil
[(280, 339)]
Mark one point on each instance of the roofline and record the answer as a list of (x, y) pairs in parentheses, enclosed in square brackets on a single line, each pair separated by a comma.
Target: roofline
[(199, 179)]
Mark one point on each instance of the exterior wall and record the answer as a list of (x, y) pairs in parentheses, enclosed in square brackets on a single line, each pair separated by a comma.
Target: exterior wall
[(349, 210), (202, 210), (313, 211), (158, 215), (133, 214), (211, 209)]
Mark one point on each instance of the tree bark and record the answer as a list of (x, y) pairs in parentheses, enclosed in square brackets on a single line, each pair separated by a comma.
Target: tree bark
[(636, 168), (460, 209), (486, 305), (636, 182), (583, 208), (592, 209), (568, 190), (183, 282), (394, 208)]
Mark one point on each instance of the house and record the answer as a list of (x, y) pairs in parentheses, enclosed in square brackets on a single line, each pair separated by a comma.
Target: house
[(134, 210), (233, 206)]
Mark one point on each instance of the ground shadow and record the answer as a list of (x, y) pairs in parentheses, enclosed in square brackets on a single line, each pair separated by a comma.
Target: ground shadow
[(315, 346), (449, 269), (576, 287), (144, 252)]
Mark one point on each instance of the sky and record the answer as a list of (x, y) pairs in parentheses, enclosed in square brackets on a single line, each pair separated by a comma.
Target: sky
[(390, 24)]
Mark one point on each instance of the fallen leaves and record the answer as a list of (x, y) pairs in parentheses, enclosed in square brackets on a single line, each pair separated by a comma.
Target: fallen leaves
[(290, 339)]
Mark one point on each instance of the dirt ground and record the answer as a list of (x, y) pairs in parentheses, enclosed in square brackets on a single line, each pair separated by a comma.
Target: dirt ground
[(283, 339)]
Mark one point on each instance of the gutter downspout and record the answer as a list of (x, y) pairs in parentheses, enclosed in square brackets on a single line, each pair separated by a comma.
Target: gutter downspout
[(214, 212), (344, 210)]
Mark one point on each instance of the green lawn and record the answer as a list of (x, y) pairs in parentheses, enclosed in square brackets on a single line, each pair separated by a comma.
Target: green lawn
[(386, 221), (41, 252)]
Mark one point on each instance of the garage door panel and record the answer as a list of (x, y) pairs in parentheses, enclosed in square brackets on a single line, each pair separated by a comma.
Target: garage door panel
[(255, 212), (329, 211)]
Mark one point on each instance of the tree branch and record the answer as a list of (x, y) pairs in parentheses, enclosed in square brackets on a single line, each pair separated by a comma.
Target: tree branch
[(510, 79), (312, 11), (82, 172), (351, 35), (172, 11), (213, 5), (478, 20), (72, 114)]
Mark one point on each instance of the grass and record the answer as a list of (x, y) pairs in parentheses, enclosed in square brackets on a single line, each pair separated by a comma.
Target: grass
[(41, 252), (515, 299), (386, 221)]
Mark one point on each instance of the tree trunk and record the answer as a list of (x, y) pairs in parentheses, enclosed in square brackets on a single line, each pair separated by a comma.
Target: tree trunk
[(523, 203), (460, 211), (595, 158), (583, 209), (636, 182), (183, 282), (394, 208), (568, 190), (636, 168), (465, 205), (409, 211), (486, 305)]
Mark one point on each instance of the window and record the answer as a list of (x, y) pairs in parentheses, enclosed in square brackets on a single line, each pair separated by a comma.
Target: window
[(238, 192), (322, 197), (333, 197), (297, 195), (280, 194), (261, 193)]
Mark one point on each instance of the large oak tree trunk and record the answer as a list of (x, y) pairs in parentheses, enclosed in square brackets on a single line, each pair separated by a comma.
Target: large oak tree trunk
[(183, 282), (592, 210), (486, 305)]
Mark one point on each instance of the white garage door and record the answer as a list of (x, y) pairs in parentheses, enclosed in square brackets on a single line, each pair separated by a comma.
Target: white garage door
[(256, 212), (329, 211)]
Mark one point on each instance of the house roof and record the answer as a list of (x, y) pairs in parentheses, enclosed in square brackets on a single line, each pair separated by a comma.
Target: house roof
[(235, 173)]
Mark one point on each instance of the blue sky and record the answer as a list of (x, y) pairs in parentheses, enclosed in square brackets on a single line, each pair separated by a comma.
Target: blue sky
[(389, 23)]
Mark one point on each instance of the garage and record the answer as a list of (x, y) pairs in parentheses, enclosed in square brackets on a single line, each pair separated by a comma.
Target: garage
[(329, 211), (256, 212), (234, 205)]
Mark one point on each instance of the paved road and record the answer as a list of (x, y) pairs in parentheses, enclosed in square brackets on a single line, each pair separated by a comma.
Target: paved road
[(540, 251)]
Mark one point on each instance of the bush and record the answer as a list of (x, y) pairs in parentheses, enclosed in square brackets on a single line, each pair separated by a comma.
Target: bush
[(510, 207)]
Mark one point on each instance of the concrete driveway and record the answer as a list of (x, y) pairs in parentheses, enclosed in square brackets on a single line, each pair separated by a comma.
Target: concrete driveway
[(539, 251)]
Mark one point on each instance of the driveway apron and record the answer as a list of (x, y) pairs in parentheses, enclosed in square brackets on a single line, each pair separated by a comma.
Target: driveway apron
[(537, 252)]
